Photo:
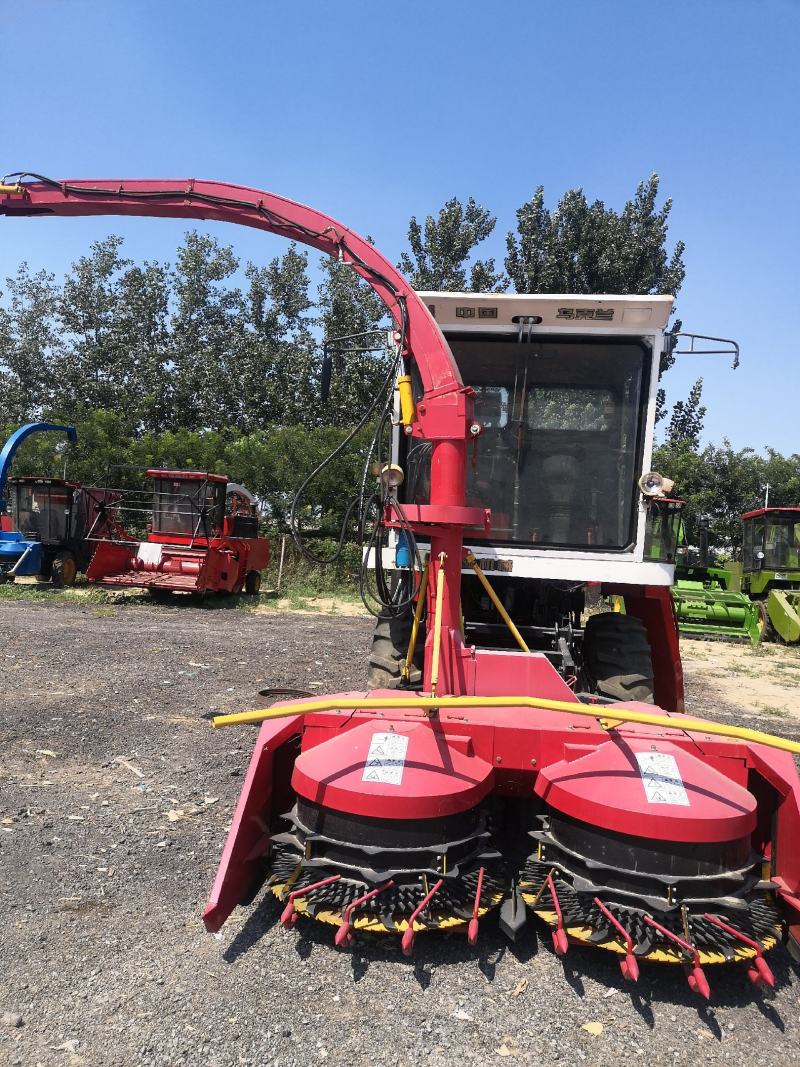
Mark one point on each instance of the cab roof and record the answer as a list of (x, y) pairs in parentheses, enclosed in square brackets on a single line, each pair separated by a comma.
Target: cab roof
[(608, 311), (197, 476), (772, 511)]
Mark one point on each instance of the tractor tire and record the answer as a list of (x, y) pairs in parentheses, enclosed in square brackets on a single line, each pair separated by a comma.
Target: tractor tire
[(63, 570), (252, 583), (389, 647), (617, 658), (45, 575), (765, 627), (162, 596)]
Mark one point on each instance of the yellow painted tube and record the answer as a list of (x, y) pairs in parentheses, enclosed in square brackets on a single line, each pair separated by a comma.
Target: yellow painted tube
[(616, 714), (10, 190), (412, 643), (407, 412), (497, 602), (437, 623)]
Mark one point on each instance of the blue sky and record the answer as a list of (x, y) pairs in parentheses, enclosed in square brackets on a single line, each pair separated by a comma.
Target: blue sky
[(375, 112)]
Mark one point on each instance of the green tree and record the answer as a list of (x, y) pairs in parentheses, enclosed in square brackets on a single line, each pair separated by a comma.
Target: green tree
[(31, 345), (723, 483), (205, 326), (583, 247), (354, 322), (441, 250), (590, 248), (686, 422)]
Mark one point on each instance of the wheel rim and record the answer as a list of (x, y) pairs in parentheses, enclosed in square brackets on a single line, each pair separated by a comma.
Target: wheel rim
[(69, 571)]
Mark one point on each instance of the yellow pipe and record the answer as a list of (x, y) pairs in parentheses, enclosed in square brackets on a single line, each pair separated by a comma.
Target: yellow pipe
[(617, 714), (437, 623), (10, 190), (496, 601), (412, 643)]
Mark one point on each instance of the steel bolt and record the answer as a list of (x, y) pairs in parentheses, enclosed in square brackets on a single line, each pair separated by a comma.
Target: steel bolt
[(533, 763), (498, 759)]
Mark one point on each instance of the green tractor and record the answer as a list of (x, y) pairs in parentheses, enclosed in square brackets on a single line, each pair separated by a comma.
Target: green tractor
[(708, 599), (757, 599), (771, 570)]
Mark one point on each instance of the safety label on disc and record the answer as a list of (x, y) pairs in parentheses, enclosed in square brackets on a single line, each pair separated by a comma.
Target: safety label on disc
[(661, 778), (386, 759)]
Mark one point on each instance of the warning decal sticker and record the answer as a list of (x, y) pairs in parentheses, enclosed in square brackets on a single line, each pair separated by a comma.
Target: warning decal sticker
[(386, 759), (661, 778)]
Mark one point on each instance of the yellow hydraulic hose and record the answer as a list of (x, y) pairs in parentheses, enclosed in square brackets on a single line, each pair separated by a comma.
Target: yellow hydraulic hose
[(495, 599), (616, 714), (437, 623), (412, 644)]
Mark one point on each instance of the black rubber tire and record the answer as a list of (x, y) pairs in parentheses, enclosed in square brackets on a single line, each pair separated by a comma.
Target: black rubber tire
[(389, 647), (45, 575), (617, 658), (162, 595), (64, 570), (252, 583), (768, 631)]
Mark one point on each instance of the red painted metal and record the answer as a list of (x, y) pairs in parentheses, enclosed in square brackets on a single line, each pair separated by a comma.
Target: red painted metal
[(696, 978), (261, 803), (560, 939), (759, 971), (770, 511), (604, 788), (289, 914), (630, 965), (409, 935), (653, 605), (344, 935), (217, 562), (195, 476), (472, 929), (439, 776), (521, 745), (513, 752)]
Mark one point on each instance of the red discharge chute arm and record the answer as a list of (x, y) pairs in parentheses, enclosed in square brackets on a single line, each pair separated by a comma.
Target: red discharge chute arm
[(444, 414), (221, 202)]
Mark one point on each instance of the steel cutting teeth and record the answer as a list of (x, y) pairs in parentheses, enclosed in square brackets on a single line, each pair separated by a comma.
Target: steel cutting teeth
[(756, 918)]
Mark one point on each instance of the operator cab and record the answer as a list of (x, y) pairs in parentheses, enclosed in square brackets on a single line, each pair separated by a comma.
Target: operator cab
[(771, 540), (42, 508), (188, 506), (191, 507), (565, 393)]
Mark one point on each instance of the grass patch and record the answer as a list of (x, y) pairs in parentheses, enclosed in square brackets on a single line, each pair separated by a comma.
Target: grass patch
[(80, 593), (303, 579), (772, 709)]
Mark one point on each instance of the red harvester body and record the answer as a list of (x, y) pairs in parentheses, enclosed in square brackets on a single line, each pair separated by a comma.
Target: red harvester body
[(202, 538), (642, 832)]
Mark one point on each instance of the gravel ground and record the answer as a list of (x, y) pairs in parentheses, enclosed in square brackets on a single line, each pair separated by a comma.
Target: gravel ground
[(115, 796)]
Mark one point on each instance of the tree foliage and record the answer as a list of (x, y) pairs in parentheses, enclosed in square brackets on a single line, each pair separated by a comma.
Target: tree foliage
[(354, 323), (686, 423), (590, 248), (723, 483), (440, 251)]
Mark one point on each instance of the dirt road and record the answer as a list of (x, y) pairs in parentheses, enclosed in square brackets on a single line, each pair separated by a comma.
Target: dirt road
[(115, 796)]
